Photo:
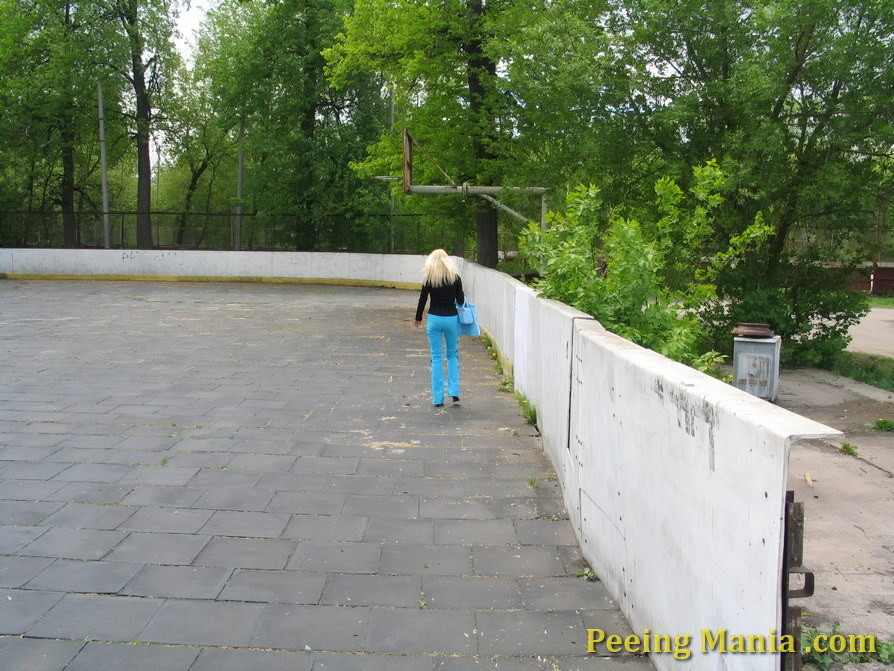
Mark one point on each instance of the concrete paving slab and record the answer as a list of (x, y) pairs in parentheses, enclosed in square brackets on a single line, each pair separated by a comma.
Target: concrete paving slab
[(90, 516), (243, 446), (471, 592), (274, 586), (238, 500), (257, 660), (26, 513), (246, 553), (371, 662), (104, 618), (36, 655), (181, 582), (20, 609), (523, 560), (168, 520), (372, 590), (14, 538), (246, 524), (530, 633), (335, 557), (154, 548), (203, 623), (74, 543), (27, 490), (92, 577), (89, 492), (15, 571), (117, 657), (309, 628), (568, 593), (399, 531), (410, 559), (469, 532), (326, 528), (414, 630), (306, 504), (155, 495), (545, 532)]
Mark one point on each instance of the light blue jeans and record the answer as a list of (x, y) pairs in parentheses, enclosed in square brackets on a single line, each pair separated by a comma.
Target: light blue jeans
[(448, 327)]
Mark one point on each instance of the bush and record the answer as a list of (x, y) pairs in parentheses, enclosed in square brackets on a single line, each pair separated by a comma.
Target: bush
[(642, 282)]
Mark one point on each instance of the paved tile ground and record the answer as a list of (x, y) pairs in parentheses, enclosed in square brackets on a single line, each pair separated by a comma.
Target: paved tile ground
[(204, 477)]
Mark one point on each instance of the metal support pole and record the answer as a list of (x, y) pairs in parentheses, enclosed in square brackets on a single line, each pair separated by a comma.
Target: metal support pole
[(106, 222)]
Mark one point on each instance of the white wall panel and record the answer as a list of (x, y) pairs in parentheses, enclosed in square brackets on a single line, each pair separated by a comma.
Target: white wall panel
[(191, 263), (682, 482)]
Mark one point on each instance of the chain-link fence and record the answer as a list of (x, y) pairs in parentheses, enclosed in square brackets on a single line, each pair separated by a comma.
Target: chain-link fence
[(376, 233)]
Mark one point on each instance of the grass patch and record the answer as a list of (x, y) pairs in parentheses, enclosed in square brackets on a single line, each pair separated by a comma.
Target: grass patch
[(875, 370), (492, 350), (881, 301), (879, 651), (528, 411), (883, 425), (587, 574), (849, 448)]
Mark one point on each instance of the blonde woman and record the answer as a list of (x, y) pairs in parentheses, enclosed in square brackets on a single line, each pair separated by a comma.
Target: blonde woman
[(441, 281)]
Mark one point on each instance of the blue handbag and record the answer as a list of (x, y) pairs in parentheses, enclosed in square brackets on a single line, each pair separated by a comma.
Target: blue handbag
[(468, 319)]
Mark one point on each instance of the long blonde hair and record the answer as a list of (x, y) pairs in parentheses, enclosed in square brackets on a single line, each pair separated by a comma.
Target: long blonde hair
[(439, 269)]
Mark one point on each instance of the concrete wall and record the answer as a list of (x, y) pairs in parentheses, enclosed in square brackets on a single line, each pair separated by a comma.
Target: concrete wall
[(388, 270), (674, 481)]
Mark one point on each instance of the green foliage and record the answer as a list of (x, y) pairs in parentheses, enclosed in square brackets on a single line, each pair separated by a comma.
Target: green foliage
[(881, 302), (805, 305), (825, 661), (641, 281), (883, 425), (588, 574), (528, 411), (875, 370), (849, 448)]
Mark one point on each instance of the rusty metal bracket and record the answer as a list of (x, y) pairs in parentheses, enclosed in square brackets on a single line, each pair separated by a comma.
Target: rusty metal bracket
[(792, 565)]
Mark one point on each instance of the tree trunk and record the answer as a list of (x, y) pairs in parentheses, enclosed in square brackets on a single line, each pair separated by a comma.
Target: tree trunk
[(479, 67), (195, 175), (141, 93), (69, 221), (305, 223)]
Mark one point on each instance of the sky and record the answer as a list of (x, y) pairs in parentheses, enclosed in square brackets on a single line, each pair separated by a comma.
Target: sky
[(188, 24)]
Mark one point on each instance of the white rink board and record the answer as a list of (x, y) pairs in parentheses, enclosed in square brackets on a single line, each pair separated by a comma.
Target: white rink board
[(682, 487), (143, 263)]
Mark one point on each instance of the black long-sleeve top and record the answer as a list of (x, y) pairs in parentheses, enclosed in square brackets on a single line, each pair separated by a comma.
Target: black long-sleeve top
[(443, 299)]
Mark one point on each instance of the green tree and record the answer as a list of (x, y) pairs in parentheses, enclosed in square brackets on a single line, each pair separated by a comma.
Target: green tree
[(51, 57), (264, 69), (435, 60), (147, 60), (793, 100)]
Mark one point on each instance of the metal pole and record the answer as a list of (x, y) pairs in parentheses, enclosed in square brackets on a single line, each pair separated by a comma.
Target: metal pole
[(466, 189), (240, 173), (106, 222), (391, 213)]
